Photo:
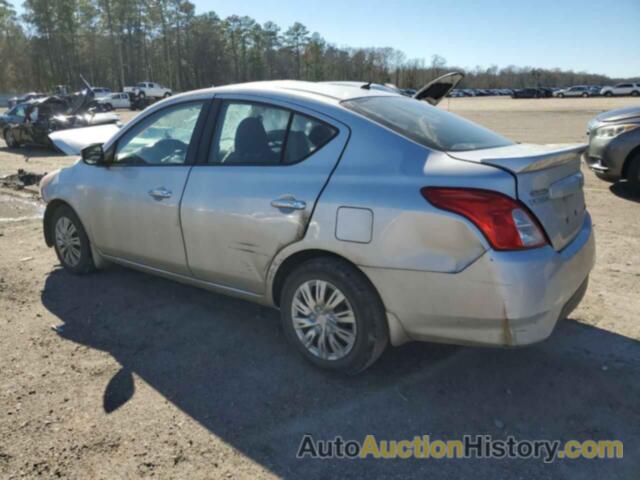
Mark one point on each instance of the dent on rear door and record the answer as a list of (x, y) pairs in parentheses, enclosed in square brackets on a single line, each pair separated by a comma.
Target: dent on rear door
[(232, 231)]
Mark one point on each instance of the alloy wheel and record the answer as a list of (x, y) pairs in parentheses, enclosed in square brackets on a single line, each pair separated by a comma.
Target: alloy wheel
[(323, 320), (68, 241)]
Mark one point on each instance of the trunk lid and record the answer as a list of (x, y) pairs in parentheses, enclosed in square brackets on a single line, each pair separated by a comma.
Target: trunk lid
[(549, 183)]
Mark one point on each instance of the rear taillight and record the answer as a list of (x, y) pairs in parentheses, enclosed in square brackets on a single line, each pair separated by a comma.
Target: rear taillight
[(506, 223)]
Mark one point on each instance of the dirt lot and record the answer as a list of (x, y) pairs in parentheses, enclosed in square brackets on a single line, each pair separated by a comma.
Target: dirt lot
[(121, 375)]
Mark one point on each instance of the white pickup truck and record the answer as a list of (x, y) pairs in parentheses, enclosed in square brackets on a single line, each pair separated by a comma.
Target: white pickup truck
[(150, 90)]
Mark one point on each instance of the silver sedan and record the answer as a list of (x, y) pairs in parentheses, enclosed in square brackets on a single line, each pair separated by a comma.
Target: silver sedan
[(365, 216)]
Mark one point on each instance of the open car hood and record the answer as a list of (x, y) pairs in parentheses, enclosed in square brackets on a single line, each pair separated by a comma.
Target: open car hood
[(80, 101), (434, 91), (73, 140)]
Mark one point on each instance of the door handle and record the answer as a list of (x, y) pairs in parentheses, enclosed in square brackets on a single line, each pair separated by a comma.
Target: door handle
[(289, 204), (160, 193)]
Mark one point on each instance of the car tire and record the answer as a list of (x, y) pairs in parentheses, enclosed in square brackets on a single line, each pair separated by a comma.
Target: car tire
[(633, 172), (635, 93), (608, 94), (166, 95), (585, 95), (71, 242), (336, 302), (561, 95), (10, 139), (108, 107)]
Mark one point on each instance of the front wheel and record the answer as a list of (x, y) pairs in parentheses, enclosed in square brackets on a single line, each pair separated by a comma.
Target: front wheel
[(71, 242), (561, 95), (10, 139), (633, 172), (166, 95), (585, 95), (333, 315), (635, 93), (608, 94)]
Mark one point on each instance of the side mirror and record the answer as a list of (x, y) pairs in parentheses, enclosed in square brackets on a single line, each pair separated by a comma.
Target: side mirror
[(93, 155)]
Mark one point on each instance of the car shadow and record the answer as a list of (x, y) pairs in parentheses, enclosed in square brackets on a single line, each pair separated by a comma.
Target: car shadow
[(225, 363), (626, 191)]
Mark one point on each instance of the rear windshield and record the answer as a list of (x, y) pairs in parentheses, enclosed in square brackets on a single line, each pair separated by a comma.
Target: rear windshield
[(427, 125)]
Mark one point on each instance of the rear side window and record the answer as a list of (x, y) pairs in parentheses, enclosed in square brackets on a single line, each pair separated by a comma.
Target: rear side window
[(258, 134), (427, 125), (306, 135)]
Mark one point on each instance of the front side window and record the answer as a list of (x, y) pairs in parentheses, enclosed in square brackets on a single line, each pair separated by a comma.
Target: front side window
[(426, 125), (259, 134), (161, 139), (18, 111)]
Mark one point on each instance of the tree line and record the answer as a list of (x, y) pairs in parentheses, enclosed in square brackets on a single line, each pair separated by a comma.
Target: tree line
[(121, 42)]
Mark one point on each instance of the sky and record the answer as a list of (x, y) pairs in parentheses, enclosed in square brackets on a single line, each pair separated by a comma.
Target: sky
[(596, 36)]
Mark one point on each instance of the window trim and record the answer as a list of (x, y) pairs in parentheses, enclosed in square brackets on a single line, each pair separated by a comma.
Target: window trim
[(209, 131), (192, 150)]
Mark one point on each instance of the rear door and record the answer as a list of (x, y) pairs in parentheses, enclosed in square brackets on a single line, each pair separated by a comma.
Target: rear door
[(253, 191)]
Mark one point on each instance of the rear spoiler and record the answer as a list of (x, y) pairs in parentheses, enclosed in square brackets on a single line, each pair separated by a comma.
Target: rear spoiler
[(538, 161)]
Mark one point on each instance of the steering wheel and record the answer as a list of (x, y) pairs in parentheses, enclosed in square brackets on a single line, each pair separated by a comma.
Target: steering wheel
[(168, 148)]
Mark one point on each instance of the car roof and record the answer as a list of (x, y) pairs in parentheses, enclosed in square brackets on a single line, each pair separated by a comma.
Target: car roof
[(322, 92)]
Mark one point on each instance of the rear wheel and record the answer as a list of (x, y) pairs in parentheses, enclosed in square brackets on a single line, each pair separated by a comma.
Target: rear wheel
[(585, 95), (561, 95), (167, 95), (333, 316), (10, 139), (108, 107), (71, 242)]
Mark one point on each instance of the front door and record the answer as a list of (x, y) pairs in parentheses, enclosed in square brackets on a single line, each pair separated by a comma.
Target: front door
[(136, 198), (254, 191)]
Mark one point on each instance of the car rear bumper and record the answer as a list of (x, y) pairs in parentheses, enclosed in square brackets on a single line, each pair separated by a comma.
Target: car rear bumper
[(502, 299)]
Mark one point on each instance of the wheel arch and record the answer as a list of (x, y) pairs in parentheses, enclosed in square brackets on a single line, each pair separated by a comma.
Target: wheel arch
[(627, 161), (292, 261), (49, 212)]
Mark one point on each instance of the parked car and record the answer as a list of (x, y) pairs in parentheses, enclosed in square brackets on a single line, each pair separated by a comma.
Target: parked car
[(545, 92), (365, 216), (150, 89), (577, 91), (33, 122), (620, 89), (614, 145), (24, 98), (13, 115), (101, 92), (116, 100), (594, 90), (525, 93)]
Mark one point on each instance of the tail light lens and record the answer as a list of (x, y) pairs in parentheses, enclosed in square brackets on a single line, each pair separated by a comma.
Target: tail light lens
[(506, 223)]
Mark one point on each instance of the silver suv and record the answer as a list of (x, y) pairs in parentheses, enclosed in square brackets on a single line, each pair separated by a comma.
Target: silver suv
[(365, 216)]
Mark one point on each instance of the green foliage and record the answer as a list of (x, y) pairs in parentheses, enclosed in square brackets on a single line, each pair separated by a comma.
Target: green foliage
[(121, 42)]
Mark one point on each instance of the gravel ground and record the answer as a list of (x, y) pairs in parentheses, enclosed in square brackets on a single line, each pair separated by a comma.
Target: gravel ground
[(124, 375)]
